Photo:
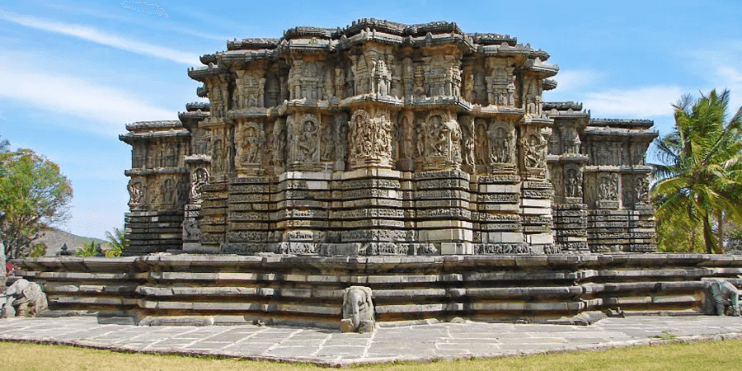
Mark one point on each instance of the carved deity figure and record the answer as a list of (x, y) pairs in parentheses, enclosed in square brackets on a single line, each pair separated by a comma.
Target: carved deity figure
[(191, 230), (279, 143), (468, 142), (253, 140), (419, 141), (327, 148), (573, 183), (199, 178), (358, 310), (307, 143), (720, 297), (168, 191), (339, 83), (439, 133), (220, 156), (571, 140), (482, 149), (341, 146), (136, 190), (500, 143), (534, 152), (22, 299), (608, 188), (641, 189)]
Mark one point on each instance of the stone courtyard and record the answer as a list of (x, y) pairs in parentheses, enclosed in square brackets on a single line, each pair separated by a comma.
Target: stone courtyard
[(420, 342)]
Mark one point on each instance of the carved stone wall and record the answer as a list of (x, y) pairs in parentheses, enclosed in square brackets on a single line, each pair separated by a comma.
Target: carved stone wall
[(388, 139)]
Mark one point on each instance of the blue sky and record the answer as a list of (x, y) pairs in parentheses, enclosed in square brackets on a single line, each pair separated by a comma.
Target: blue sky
[(73, 73)]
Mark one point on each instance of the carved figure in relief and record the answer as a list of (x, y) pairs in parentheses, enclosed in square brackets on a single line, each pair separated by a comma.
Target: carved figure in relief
[(135, 192), (279, 143), (419, 141), (500, 140), (341, 146), (199, 178), (191, 230), (252, 142), (481, 140), (608, 188), (573, 183), (456, 145), (327, 148), (168, 191), (468, 141), (220, 156), (308, 141), (534, 152), (439, 137), (641, 189), (571, 140), (339, 83)]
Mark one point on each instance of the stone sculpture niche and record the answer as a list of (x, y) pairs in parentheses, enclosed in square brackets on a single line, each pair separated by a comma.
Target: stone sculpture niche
[(22, 299), (358, 310), (720, 297)]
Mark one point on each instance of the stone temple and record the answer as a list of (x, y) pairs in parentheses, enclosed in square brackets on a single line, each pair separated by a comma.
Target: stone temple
[(386, 139)]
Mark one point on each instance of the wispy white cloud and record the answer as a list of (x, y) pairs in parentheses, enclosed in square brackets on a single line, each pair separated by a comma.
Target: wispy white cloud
[(104, 109), (633, 103), (574, 80), (100, 37), (133, 18)]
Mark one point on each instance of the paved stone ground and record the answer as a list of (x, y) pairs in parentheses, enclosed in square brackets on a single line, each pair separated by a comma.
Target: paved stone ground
[(425, 342)]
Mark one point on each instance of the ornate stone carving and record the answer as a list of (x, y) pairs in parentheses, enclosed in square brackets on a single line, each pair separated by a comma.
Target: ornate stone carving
[(468, 144), (308, 139), (250, 139), (720, 297), (199, 178), (136, 192), (358, 310), (327, 147), (168, 190), (22, 299), (608, 187), (570, 140), (250, 88), (482, 148), (501, 143), (572, 182), (278, 147), (534, 150), (533, 97), (501, 82), (371, 139)]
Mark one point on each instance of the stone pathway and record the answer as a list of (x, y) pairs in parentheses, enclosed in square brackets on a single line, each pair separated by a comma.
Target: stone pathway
[(328, 347)]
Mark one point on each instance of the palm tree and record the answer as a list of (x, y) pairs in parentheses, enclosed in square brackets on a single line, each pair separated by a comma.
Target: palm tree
[(701, 174), (88, 249), (118, 242)]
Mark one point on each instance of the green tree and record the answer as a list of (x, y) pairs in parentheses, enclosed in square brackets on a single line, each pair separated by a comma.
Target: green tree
[(38, 250), (118, 242), (88, 249), (701, 172), (33, 195)]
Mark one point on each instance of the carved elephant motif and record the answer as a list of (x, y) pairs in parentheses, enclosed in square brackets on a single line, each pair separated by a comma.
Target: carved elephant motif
[(358, 310), (24, 299), (721, 297)]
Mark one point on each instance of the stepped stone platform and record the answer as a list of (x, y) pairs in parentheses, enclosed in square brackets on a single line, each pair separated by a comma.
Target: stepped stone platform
[(308, 290)]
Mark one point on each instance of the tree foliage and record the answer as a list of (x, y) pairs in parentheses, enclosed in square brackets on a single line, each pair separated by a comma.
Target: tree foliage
[(33, 195), (88, 249), (118, 242), (701, 174)]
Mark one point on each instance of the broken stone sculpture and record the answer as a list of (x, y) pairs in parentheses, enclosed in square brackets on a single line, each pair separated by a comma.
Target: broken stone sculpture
[(721, 297), (22, 299), (358, 310)]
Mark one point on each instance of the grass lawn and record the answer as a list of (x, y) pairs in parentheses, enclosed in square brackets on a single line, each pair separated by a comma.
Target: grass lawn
[(722, 355)]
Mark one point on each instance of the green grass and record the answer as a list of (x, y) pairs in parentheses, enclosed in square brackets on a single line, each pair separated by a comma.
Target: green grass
[(677, 357)]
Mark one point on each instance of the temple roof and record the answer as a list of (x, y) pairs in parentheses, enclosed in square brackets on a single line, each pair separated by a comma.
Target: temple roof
[(315, 39), (622, 123)]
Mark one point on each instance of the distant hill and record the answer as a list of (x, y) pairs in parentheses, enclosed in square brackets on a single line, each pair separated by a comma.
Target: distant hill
[(55, 238)]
